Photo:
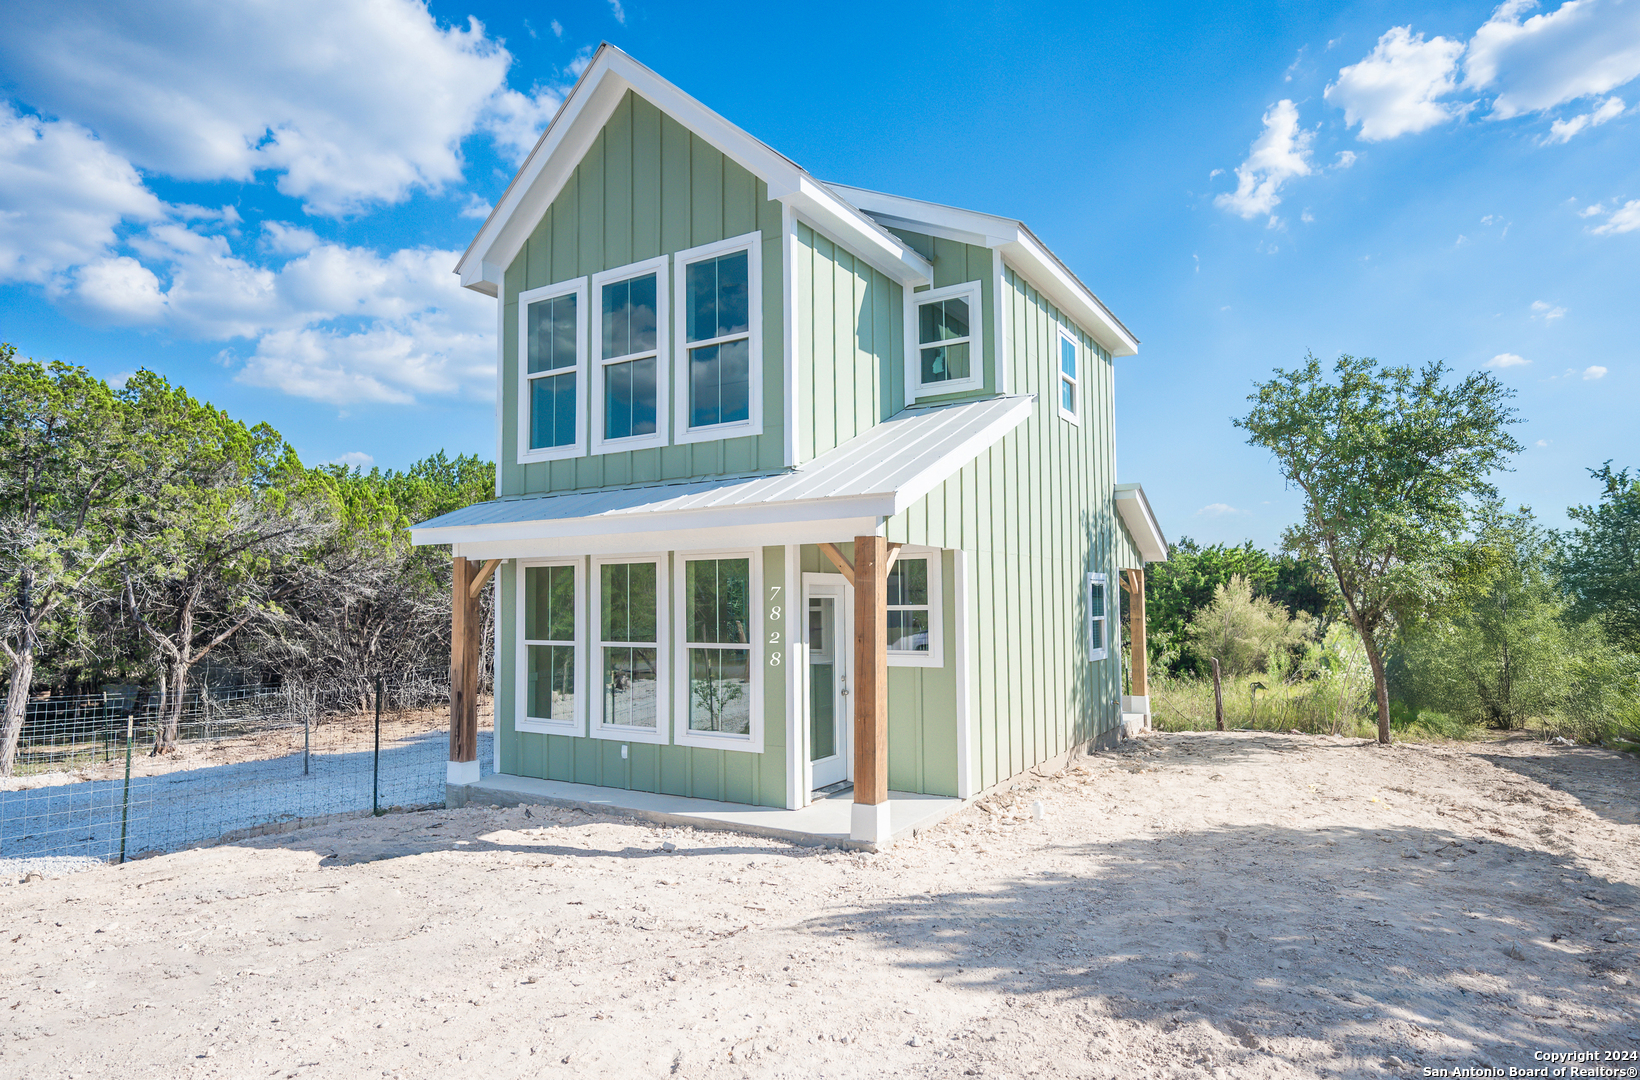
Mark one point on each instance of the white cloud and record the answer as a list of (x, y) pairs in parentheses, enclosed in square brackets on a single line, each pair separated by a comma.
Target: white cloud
[(618, 11), (1593, 371), (515, 121), (1280, 153), (62, 196), (1547, 312), (1507, 360), (1581, 49), (1218, 510), (348, 101), (1625, 218), (1543, 442), (1562, 130), (354, 459), (557, 28), (1393, 91), (1592, 210), (1346, 158), (476, 207)]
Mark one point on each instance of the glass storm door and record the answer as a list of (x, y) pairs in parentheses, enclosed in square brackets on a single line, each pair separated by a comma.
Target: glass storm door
[(830, 718)]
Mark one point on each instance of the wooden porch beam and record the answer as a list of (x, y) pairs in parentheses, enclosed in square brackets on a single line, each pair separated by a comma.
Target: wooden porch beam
[(483, 576), (843, 566), (464, 631), (870, 821), (1134, 582), (893, 557)]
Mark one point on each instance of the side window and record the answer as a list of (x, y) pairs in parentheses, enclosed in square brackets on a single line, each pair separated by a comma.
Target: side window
[(629, 343), (1098, 618), (720, 652), (1069, 378), (914, 621), (945, 354), (630, 600), (549, 639), (551, 372), (720, 363)]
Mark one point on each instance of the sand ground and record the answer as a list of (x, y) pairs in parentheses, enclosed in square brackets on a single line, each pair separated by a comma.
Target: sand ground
[(1228, 905)]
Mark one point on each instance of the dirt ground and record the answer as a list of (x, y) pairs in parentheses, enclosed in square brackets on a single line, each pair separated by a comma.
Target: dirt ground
[(1230, 905)]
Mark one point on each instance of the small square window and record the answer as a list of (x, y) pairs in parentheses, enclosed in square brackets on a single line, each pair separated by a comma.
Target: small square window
[(944, 350), (914, 621)]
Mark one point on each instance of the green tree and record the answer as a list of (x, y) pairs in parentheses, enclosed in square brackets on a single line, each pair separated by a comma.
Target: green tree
[(60, 441), (1244, 631), (1389, 462), (1600, 559)]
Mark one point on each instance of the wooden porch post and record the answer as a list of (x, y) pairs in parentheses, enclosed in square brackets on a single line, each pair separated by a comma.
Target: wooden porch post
[(464, 629), (871, 563), (1140, 660)]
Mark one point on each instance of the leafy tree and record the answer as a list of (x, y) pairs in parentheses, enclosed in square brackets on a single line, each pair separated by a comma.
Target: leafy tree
[(1600, 560), (60, 441), (1389, 462), (1244, 631)]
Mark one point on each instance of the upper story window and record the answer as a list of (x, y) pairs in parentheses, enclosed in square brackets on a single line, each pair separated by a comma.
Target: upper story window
[(720, 371), (1069, 377), (551, 336), (629, 377), (945, 354)]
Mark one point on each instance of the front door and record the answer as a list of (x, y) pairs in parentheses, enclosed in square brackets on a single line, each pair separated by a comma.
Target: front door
[(830, 718)]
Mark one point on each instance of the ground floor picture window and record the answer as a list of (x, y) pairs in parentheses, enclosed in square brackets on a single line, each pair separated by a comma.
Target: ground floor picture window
[(549, 642), (629, 644), (717, 625)]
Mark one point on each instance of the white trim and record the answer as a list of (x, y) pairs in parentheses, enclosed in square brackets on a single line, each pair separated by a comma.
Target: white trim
[(935, 656), (788, 300), (837, 586), (1102, 615), (1066, 334), (461, 772), (681, 733), (1004, 366), (522, 721), (966, 785), (974, 292), (596, 362), (797, 795), (500, 395), (1134, 508), (495, 662), (577, 287), (752, 243), (595, 642)]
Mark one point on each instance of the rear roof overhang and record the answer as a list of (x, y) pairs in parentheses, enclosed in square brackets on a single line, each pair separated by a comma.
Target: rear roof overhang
[(1141, 524)]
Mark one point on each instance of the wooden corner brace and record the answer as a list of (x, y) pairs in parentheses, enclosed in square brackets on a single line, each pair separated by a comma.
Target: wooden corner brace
[(846, 569)]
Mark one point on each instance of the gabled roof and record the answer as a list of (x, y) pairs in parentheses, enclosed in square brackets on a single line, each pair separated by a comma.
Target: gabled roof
[(877, 473), (1017, 243), (585, 111)]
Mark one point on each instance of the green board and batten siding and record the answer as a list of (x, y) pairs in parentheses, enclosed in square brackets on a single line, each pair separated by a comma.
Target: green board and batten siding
[(647, 187)]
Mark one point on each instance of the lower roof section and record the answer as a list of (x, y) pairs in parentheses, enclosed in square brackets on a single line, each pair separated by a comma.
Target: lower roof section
[(1141, 524), (847, 491)]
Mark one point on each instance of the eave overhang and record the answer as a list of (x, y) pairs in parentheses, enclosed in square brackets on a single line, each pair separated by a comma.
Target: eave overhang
[(1141, 523)]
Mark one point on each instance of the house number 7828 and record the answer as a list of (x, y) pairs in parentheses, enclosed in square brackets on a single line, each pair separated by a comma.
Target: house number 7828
[(774, 632)]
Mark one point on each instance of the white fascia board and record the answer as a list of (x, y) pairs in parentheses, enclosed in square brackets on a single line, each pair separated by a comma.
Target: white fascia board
[(659, 526), (1141, 522), (964, 452), (830, 530), (1024, 251), (571, 134)]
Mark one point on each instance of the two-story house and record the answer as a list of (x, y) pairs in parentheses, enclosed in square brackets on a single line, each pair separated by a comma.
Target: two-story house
[(798, 485)]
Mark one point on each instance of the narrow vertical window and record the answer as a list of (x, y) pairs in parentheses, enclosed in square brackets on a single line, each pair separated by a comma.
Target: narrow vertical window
[(718, 327), (629, 387), (629, 646), (944, 354), (1069, 377), (908, 606), (549, 644), (717, 629), (551, 368), (1098, 616)]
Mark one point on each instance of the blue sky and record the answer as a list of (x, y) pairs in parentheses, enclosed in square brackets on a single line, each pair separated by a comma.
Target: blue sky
[(263, 201)]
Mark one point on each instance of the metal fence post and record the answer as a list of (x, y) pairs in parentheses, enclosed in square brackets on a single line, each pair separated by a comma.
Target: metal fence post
[(125, 805), (376, 764)]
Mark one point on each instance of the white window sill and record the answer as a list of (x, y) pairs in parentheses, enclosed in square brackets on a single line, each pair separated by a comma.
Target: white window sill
[(706, 740), (615, 733)]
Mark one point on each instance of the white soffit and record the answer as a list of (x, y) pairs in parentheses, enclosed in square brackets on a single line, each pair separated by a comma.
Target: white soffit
[(571, 134), (1141, 523), (1018, 245), (874, 475)]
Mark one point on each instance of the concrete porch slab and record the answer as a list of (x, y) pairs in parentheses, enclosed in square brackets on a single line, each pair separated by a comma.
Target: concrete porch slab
[(826, 821)]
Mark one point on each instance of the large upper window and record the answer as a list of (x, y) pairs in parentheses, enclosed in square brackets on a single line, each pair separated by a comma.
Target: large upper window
[(718, 643), (551, 330), (945, 353), (632, 693), (1069, 378), (719, 376), (549, 669), (629, 381)]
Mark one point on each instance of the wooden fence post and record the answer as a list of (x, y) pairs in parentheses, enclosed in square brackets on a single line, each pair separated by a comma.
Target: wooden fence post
[(1218, 696)]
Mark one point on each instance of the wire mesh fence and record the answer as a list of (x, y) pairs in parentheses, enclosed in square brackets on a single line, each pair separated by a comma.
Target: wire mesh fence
[(87, 783)]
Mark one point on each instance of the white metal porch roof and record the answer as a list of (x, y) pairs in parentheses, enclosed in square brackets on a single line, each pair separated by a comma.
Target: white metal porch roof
[(875, 474)]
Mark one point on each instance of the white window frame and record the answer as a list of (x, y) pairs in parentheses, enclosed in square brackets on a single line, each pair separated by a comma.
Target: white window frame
[(1066, 334), (974, 292), (595, 354), (752, 243), (935, 656), (595, 654), (548, 292), (1101, 616), (711, 740), (522, 721)]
